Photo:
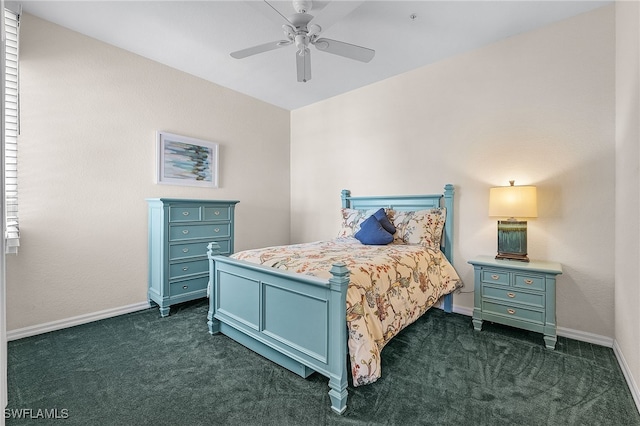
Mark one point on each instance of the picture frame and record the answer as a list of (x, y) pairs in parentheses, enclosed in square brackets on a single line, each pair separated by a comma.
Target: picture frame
[(188, 161)]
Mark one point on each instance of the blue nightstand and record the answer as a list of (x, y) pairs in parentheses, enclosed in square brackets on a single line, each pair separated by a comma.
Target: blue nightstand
[(518, 294)]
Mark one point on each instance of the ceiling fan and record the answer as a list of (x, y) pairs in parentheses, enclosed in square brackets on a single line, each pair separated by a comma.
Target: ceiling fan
[(299, 31)]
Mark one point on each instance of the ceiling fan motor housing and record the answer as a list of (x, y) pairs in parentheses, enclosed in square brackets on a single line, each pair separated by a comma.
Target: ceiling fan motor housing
[(302, 6)]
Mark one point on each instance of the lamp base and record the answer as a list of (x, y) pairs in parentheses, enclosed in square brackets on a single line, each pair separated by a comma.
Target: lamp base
[(512, 256), (512, 240)]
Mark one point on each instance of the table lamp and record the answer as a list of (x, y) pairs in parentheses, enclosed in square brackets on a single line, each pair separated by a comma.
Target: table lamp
[(513, 203)]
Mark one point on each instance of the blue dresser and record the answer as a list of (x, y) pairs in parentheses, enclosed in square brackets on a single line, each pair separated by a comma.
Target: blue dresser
[(179, 231), (518, 294)]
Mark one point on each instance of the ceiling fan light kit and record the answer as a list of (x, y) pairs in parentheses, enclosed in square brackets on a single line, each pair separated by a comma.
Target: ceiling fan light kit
[(300, 32)]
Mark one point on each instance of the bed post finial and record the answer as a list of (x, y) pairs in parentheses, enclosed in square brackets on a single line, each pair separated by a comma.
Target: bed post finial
[(345, 198)]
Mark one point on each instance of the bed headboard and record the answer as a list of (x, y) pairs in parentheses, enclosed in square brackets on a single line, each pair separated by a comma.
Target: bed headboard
[(410, 202)]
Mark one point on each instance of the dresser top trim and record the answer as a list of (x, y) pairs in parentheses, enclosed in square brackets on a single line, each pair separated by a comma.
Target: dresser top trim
[(532, 266), (186, 200)]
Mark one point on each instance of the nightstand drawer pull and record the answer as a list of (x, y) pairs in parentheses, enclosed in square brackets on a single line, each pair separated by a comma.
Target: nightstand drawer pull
[(216, 230), (184, 287), (185, 213), (511, 311), (185, 231), (185, 250), (511, 295), (528, 281), (495, 277), (186, 268), (217, 212)]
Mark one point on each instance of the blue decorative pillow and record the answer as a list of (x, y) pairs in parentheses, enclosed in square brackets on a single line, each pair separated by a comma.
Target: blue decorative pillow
[(372, 233), (381, 215)]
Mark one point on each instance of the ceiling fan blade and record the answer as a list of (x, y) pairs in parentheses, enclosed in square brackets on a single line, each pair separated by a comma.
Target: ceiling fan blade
[(271, 11), (260, 48), (303, 65), (347, 50)]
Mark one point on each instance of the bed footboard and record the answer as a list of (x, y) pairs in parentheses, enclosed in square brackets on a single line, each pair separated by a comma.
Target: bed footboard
[(294, 320)]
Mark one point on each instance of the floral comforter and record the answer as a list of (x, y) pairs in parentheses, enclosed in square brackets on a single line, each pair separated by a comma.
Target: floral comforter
[(390, 287)]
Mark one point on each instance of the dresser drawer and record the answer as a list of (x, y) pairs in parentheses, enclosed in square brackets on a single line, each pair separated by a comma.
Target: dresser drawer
[(192, 232), (178, 270), (529, 281), (513, 311), (216, 213), (495, 277), (182, 251), (188, 286), (184, 214), (509, 295)]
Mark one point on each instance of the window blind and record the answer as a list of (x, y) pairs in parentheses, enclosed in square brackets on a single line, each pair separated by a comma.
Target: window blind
[(12, 128)]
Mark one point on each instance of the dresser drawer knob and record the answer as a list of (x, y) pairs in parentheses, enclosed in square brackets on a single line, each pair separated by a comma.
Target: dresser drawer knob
[(217, 212), (216, 230), (185, 250), (184, 287), (511, 311), (185, 213), (185, 231), (186, 268), (528, 281), (495, 277), (511, 295)]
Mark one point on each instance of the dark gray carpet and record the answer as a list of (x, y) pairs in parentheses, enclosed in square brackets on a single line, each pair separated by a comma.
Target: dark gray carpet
[(140, 369)]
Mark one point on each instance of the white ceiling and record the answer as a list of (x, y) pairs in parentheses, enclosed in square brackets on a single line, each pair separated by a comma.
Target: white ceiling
[(197, 37)]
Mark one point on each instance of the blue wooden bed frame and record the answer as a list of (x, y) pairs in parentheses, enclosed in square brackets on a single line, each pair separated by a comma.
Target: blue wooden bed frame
[(299, 321)]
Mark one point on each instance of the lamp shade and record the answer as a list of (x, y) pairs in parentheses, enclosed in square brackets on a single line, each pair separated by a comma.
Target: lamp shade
[(513, 201)]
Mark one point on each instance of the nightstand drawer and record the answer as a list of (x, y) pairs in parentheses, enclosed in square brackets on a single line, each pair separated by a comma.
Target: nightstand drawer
[(529, 281), (192, 232), (495, 277), (184, 214), (188, 286), (513, 311), (510, 296), (178, 270)]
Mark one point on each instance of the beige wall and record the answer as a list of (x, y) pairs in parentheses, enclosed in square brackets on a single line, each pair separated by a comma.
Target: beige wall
[(87, 162), (627, 230), (537, 108)]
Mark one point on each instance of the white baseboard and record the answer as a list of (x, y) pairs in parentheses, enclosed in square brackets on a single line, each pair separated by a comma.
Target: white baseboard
[(633, 386), (70, 322), (463, 310), (583, 336)]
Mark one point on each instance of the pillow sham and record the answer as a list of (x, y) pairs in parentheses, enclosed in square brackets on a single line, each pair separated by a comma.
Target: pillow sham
[(419, 227), (351, 221), (381, 215), (372, 233)]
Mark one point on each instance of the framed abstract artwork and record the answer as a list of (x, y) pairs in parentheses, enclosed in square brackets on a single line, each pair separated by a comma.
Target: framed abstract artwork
[(186, 161)]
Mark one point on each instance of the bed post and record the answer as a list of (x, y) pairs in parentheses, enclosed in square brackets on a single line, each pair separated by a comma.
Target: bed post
[(338, 351), (213, 249), (345, 198), (448, 238), (448, 224)]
